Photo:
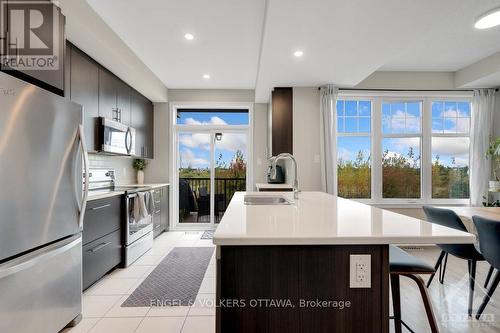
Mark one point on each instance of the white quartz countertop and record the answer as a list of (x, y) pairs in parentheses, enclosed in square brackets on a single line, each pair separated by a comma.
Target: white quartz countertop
[(321, 218), (104, 194), (152, 185), (267, 185)]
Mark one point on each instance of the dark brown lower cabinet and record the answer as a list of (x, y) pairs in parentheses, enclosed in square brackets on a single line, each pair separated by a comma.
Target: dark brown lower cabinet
[(160, 216), (299, 289), (102, 239)]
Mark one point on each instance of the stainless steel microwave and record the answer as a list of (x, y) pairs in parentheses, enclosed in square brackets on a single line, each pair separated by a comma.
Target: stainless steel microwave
[(116, 138)]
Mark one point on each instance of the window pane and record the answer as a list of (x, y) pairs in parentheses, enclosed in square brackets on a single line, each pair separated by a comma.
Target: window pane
[(455, 117), (450, 168), (340, 108), (404, 117), (340, 124), (364, 108), (353, 116), (351, 125), (212, 117), (364, 125), (401, 168), (351, 108), (353, 167)]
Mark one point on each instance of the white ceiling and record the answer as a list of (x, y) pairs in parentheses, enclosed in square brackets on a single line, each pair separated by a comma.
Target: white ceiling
[(249, 44)]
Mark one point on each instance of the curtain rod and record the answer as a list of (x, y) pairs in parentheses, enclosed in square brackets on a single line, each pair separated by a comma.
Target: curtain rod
[(403, 90)]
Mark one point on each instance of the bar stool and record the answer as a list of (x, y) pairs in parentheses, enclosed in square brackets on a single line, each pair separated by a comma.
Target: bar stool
[(404, 264), (489, 241)]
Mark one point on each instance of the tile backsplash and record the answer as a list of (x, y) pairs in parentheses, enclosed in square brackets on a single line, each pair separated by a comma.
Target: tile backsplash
[(125, 173)]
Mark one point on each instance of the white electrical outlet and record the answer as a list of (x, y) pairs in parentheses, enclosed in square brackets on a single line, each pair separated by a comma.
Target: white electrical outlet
[(360, 271)]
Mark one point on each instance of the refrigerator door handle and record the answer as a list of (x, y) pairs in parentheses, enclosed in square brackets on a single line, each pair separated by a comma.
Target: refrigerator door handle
[(36, 259), (86, 165)]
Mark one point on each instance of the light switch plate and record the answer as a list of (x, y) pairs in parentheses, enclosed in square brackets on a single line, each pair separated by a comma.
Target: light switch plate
[(360, 271)]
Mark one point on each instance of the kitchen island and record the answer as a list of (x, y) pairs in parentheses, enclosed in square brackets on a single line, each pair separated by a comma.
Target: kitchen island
[(288, 268)]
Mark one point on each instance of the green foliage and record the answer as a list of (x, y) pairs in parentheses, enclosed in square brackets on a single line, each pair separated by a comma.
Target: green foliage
[(139, 164), (401, 177), (494, 152)]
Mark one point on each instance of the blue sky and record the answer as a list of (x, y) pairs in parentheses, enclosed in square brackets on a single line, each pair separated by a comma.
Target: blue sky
[(405, 118), (194, 148)]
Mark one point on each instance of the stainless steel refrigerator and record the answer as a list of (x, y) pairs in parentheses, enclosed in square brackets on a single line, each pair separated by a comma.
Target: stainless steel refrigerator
[(42, 200)]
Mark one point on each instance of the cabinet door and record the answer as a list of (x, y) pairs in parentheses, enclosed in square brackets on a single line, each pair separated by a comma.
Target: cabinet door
[(85, 91), (107, 94), (149, 129), (282, 121), (102, 217), (138, 121), (164, 208), (123, 101)]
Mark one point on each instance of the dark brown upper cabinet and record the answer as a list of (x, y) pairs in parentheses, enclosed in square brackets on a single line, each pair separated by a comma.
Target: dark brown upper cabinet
[(114, 97), (142, 119), (281, 121), (53, 79), (102, 94), (84, 90)]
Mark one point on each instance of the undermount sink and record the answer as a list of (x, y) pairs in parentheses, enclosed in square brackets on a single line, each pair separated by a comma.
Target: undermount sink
[(265, 200)]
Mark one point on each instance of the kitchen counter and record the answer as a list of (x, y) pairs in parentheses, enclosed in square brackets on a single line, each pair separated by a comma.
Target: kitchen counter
[(152, 185), (96, 195), (321, 218), (275, 187), (103, 194), (306, 258)]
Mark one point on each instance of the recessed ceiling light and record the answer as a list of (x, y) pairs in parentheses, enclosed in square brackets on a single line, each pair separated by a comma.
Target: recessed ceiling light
[(206, 76), (489, 20), (189, 36), (298, 53)]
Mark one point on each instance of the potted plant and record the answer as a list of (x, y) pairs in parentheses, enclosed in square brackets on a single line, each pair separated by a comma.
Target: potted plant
[(494, 152), (140, 166)]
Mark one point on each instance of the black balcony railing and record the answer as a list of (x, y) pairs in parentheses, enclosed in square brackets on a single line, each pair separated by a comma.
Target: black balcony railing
[(224, 189)]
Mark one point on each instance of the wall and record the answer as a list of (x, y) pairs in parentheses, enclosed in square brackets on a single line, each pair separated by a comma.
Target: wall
[(306, 137), (409, 80), (158, 170), (125, 173), (260, 150)]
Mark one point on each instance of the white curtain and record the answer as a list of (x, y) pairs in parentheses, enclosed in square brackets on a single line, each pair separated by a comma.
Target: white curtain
[(328, 101), (483, 106)]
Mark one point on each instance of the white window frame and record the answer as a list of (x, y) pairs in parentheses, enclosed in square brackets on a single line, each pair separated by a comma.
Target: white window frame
[(376, 98), (209, 129)]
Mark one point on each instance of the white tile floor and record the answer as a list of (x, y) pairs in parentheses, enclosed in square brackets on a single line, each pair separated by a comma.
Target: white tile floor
[(102, 312)]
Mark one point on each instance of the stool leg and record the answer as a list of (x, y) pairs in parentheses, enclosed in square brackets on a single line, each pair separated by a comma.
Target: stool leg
[(443, 267), (396, 302), (488, 295), (427, 303), (488, 277), (472, 278), (438, 264)]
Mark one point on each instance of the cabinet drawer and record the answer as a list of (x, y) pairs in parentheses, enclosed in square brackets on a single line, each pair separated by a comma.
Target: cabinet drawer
[(102, 217), (100, 256)]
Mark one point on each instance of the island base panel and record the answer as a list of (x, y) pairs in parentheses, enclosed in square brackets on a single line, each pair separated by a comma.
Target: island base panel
[(299, 289)]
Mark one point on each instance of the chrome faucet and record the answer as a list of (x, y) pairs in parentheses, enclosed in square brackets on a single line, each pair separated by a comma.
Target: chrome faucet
[(295, 181)]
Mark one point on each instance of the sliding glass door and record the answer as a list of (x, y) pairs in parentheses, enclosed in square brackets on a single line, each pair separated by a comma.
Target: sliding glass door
[(211, 166)]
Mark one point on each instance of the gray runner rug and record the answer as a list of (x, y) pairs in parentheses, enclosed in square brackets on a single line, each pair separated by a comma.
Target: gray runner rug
[(175, 281), (208, 234)]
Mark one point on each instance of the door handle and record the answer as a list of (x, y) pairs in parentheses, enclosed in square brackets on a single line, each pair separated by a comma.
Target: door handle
[(85, 154), (99, 247), (128, 145), (101, 207)]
